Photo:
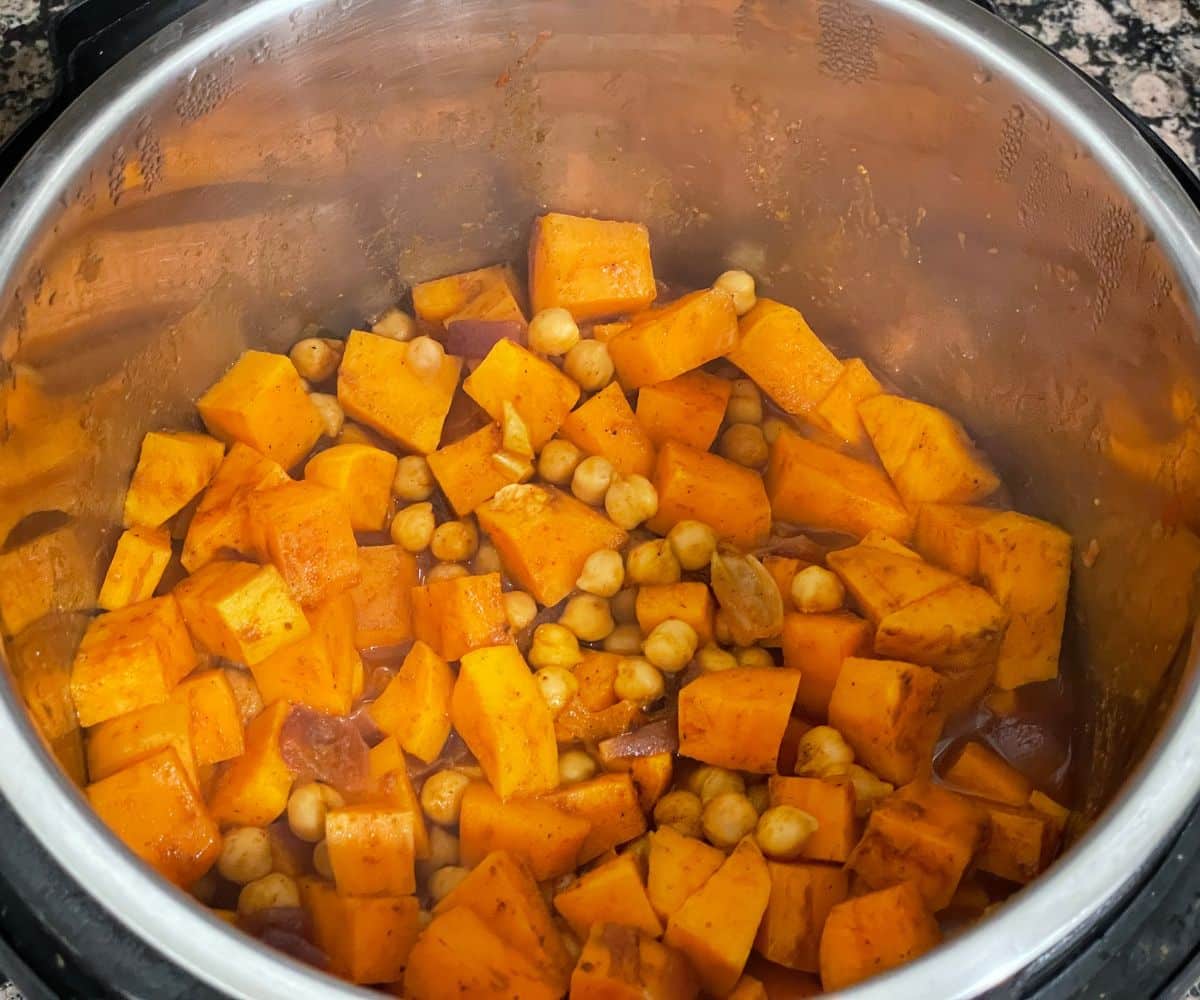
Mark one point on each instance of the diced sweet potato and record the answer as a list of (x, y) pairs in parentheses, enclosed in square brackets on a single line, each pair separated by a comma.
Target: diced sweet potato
[(415, 706), (1021, 842), (129, 738), (882, 581), (241, 611), (947, 535), (837, 412), (362, 475), (697, 485), (216, 723), (831, 803), (544, 537), (367, 939), (503, 719), (129, 659), (540, 393), (736, 718), (40, 659), (666, 342), (377, 387), (383, 596), (734, 900), (1058, 815), (591, 267), (605, 425), (172, 468), (261, 402), (651, 777), (783, 570), (253, 790), (371, 850), (817, 646), (926, 452), (688, 409), (542, 837), (881, 540), (304, 529), (781, 983), (690, 602), (56, 571), (678, 867), (922, 834), (1026, 564), (488, 293), (957, 628), (801, 897), (816, 486), (870, 934), (611, 893), (984, 772), (155, 809), (890, 713), (576, 724), (748, 988), (604, 332), (778, 349), (137, 565), (461, 614), (465, 470), (596, 674), (387, 769), (609, 804), (621, 963)]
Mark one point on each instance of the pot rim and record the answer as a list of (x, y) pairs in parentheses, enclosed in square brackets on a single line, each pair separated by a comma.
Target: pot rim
[(1045, 917)]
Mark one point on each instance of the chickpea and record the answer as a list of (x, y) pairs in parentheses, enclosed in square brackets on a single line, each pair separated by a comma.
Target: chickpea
[(589, 364), (558, 461), (772, 427), (680, 810), (268, 893), (624, 639), (443, 848), (442, 795), (245, 854), (395, 324), (711, 658), (554, 646), (652, 562), (553, 332), (815, 590), (306, 809), (516, 467), (708, 782), (446, 571), (575, 766), (693, 543), (425, 357), (869, 788), (753, 656), (727, 818), (759, 796), (412, 528), (630, 501), (454, 541), (822, 752), (592, 478), (557, 686), (782, 832), (671, 645), (352, 433), (414, 479), (721, 631), (487, 560), (519, 608), (515, 432), (745, 445), (320, 860), (603, 573), (333, 418), (316, 358), (745, 403), (445, 880), (638, 681), (588, 616), (740, 285)]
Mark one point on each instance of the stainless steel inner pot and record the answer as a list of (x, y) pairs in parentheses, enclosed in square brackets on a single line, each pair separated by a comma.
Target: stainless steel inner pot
[(937, 193)]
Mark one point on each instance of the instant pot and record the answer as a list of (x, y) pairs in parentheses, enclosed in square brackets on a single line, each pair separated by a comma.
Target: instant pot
[(940, 195)]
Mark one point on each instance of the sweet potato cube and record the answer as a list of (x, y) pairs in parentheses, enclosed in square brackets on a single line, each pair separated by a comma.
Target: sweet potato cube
[(701, 486), (837, 412), (956, 628), (923, 834), (947, 535), (543, 837), (137, 565), (690, 602), (734, 899), (666, 342), (831, 803), (779, 351), (736, 718), (611, 893), (540, 393), (749, 988), (261, 402), (304, 530), (801, 897), (505, 722), (816, 486), (383, 596), (502, 893), (387, 769), (604, 332), (130, 658), (783, 570), (576, 724), (460, 955), (1026, 564), (1058, 815), (678, 867), (367, 939), (377, 387), (215, 722), (1020, 845), (621, 963), (172, 468), (597, 674), (544, 537), (461, 614), (651, 777), (56, 571), (465, 470), (487, 293), (134, 736), (890, 713), (610, 804), (362, 475), (688, 409), (605, 425), (371, 850), (984, 772), (817, 646), (591, 267), (253, 790), (870, 934), (154, 808), (882, 581), (415, 706), (41, 659), (882, 540)]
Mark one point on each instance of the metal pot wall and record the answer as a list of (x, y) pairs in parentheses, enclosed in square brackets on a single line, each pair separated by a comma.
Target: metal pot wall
[(940, 196)]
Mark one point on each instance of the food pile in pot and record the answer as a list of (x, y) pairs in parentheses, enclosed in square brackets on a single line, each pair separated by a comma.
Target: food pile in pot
[(619, 651)]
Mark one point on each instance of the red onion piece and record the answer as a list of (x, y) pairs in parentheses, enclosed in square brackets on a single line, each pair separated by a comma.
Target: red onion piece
[(473, 338), (325, 748), (661, 736)]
